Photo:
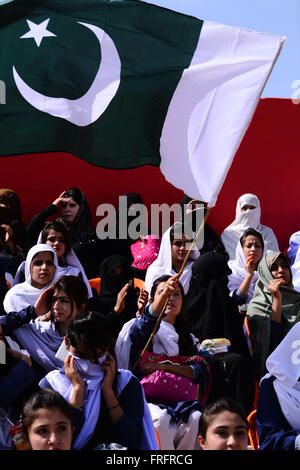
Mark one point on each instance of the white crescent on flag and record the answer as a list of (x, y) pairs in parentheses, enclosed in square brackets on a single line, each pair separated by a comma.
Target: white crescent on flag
[(89, 107)]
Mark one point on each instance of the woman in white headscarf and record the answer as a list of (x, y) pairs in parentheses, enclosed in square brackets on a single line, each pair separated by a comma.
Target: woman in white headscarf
[(295, 267), (294, 244), (278, 409), (173, 249), (41, 269), (56, 235), (248, 213), (110, 402)]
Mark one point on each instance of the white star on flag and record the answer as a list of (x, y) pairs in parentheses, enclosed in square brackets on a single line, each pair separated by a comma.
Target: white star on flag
[(37, 31)]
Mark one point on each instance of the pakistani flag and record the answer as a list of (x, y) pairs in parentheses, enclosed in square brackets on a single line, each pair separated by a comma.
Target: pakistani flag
[(123, 83)]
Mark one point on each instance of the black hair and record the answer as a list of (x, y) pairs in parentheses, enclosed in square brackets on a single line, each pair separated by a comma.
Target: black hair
[(185, 342), (92, 329), (75, 194), (74, 287), (44, 398), (213, 409), (58, 227), (133, 198), (255, 233)]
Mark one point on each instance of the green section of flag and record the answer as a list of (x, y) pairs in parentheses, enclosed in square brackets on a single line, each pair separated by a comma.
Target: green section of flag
[(154, 44)]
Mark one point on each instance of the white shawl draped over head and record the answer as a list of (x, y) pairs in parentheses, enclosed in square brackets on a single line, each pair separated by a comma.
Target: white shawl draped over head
[(24, 294), (163, 264), (237, 266), (294, 244), (284, 364), (243, 220), (295, 268), (93, 376)]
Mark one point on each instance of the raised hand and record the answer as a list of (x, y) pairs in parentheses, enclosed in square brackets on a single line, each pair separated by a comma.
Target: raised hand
[(42, 305), (120, 304), (249, 266), (142, 301), (9, 233), (57, 202), (169, 288), (274, 286), (77, 381), (71, 372), (110, 368)]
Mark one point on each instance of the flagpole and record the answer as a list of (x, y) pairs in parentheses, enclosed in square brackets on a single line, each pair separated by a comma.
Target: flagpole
[(159, 318)]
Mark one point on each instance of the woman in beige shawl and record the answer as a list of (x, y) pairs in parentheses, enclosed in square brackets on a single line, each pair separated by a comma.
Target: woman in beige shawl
[(274, 308)]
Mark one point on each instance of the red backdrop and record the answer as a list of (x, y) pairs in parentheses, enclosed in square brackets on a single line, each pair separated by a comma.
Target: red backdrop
[(266, 164)]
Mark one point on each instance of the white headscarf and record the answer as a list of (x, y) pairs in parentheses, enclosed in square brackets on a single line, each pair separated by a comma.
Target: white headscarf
[(284, 365), (163, 264), (244, 220), (239, 272), (294, 244), (73, 268), (24, 294), (295, 268)]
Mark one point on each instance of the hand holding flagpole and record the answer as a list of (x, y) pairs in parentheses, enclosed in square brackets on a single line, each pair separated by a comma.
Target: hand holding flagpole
[(159, 318)]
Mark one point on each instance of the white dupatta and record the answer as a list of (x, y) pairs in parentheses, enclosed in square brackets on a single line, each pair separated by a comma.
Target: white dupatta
[(24, 294)]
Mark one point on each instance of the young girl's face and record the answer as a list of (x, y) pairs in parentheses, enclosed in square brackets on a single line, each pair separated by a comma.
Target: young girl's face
[(179, 249), (50, 430), (253, 247), (69, 210), (57, 241), (227, 431), (280, 270), (174, 305), (42, 269), (63, 308)]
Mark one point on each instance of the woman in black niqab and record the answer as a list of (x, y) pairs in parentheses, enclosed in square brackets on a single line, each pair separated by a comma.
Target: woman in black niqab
[(212, 313)]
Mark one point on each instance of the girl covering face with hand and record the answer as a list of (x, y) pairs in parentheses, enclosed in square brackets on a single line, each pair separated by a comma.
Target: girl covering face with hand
[(111, 400)]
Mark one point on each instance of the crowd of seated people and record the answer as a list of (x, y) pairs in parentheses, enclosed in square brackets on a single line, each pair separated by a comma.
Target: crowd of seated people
[(147, 342)]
